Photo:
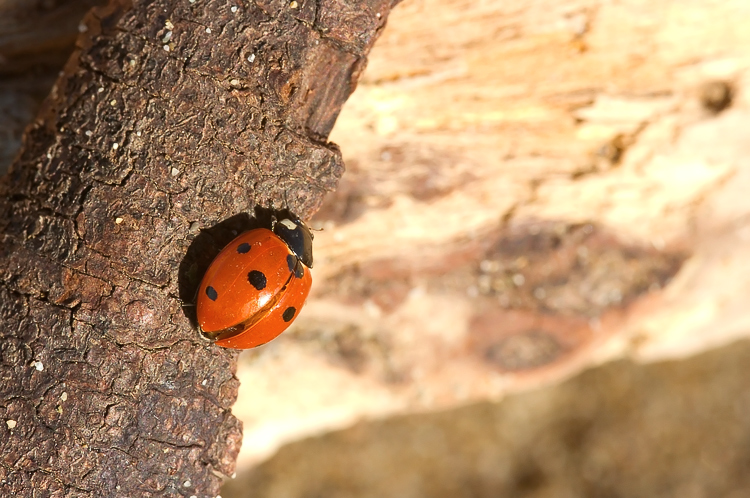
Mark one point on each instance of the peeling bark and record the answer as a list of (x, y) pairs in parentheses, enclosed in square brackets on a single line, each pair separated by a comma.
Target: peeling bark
[(169, 118)]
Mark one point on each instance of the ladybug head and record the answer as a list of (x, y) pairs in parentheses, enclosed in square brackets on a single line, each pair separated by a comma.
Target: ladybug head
[(296, 235)]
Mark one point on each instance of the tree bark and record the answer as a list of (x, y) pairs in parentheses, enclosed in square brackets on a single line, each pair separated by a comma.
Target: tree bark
[(170, 122)]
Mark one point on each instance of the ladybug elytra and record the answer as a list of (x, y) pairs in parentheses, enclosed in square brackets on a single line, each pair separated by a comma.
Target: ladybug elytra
[(254, 289)]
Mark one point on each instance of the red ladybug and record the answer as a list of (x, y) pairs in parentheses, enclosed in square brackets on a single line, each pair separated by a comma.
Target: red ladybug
[(256, 286)]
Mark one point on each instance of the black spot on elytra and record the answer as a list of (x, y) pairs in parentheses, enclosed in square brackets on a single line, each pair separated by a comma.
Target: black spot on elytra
[(257, 279), (243, 248), (211, 293), (289, 313)]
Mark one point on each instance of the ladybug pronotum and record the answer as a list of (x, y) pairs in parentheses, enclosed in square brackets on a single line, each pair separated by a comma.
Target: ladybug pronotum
[(255, 287)]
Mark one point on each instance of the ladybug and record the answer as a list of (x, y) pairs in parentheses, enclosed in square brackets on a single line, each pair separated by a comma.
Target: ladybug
[(255, 287)]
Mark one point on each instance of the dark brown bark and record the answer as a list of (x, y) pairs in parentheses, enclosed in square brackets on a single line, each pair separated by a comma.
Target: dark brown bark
[(171, 120)]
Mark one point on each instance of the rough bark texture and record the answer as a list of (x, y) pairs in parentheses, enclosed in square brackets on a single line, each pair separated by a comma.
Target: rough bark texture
[(170, 118)]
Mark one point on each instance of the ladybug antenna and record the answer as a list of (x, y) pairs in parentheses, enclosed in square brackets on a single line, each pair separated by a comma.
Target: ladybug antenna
[(286, 200), (287, 210)]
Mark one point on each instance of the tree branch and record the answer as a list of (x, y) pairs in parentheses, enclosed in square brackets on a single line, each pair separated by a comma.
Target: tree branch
[(170, 117)]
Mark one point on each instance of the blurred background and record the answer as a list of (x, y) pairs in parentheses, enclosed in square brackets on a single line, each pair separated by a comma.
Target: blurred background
[(533, 278)]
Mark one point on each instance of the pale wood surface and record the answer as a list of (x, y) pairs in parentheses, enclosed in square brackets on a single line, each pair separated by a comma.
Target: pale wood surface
[(476, 117)]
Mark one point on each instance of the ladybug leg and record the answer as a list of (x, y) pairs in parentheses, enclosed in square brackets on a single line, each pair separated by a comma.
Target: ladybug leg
[(195, 296), (205, 338), (299, 269)]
